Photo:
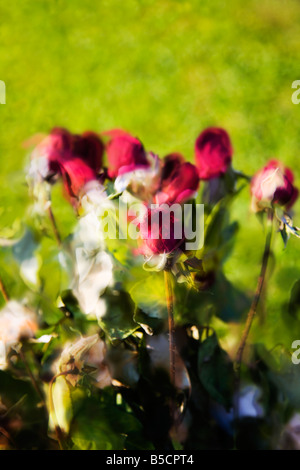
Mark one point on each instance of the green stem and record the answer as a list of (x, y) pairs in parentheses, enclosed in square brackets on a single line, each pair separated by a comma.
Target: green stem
[(253, 308), (3, 291), (54, 226), (170, 307)]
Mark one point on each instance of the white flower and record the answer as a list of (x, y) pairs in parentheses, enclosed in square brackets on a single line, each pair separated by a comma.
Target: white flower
[(94, 274), (93, 267), (38, 168), (94, 204)]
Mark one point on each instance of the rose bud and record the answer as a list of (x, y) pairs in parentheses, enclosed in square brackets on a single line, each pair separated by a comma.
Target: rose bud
[(89, 147), (273, 185), (179, 180), (53, 148), (56, 145), (125, 153), (76, 174), (213, 152), (60, 146), (158, 231)]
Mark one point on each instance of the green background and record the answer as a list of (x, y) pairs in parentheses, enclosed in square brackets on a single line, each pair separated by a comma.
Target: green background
[(163, 70)]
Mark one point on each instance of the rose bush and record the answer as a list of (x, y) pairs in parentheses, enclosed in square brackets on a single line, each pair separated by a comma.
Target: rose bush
[(130, 342)]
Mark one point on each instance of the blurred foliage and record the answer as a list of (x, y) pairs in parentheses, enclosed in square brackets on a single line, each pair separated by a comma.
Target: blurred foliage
[(163, 70)]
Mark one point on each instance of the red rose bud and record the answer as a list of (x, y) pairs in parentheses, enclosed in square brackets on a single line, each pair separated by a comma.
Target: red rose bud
[(56, 146), (125, 153), (158, 231), (213, 151), (179, 182), (76, 174), (89, 147), (273, 185), (60, 145)]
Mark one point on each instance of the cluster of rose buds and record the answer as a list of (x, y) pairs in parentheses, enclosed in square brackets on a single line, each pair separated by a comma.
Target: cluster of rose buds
[(76, 158), (95, 171), (79, 160)]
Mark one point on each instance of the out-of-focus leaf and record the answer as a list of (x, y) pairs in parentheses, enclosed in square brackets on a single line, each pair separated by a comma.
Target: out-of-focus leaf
[(218, 237), (288, 383), (24, 413), (291, 314), (294, 303), (66, 399), (102, 425), (149, 294), (48, 310), (10, 276), (117, 319), (65, 217), (62, 412), (231, 303), (215, 371), (123, 364), (24, 253), (51, 271)]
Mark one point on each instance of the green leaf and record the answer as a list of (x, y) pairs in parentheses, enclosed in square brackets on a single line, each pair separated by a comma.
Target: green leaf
[(219, 237), (103, 425), (63, 409), (118, 322), (231, 303), (25, 253), (215, 371), (51, 271), (50, 313), (149, 294)]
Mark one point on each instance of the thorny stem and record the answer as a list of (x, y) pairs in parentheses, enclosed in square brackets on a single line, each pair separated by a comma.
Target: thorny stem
[(170, 307), (253, 308), (58, 431), (54, 226)]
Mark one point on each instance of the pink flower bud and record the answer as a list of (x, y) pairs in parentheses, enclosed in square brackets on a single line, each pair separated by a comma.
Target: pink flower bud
[(89, 147), (56, 146), (213, 151), (76, 174), (273, 185), (158, 233), (77, 158), (60, 146), (179, 180), (125, 153)]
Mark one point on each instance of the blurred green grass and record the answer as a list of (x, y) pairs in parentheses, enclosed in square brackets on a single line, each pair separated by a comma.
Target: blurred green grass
[(164, 71)]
